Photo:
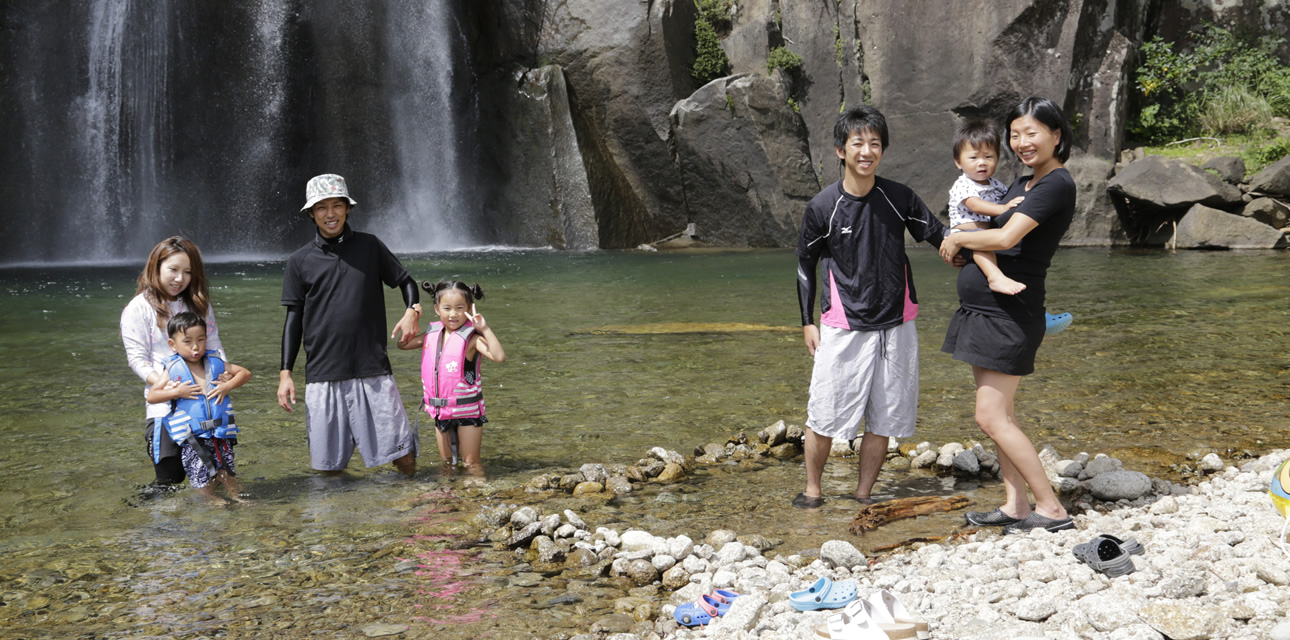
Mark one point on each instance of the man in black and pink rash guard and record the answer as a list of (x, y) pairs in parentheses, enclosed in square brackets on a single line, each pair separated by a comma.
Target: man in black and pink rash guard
[(866, 351)]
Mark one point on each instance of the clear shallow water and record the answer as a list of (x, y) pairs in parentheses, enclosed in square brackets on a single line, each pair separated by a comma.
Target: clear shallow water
[(1169, 354)]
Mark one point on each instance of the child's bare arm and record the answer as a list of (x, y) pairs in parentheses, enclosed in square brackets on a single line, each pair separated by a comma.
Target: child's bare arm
[(415, 343), (987, 208), (486, 341), (240, 376), (165, 390)]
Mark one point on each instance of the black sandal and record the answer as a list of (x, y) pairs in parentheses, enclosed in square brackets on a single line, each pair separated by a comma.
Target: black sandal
[(803, 501)]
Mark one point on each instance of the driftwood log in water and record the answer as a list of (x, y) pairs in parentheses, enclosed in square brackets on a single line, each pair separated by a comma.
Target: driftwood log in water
[(872, 516)]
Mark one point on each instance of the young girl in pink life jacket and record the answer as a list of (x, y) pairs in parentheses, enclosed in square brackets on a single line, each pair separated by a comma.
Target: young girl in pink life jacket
[(452, 388)]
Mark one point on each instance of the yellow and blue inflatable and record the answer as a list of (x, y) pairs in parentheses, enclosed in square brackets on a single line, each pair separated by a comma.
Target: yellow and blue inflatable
[(1280, 487)]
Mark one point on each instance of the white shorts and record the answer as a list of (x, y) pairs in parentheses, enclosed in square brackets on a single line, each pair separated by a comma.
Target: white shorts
[(363, 411), (865, 374)]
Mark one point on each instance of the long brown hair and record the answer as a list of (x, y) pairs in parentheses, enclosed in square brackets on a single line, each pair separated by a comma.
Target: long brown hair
[(196, 296)]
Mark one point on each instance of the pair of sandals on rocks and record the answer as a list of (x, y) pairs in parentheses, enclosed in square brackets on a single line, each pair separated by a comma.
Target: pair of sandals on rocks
[(1109, 555), (707, 608), (879, 617)]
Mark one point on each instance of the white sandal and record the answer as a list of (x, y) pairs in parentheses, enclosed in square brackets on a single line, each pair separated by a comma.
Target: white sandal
[(886, 608), (856, 622)]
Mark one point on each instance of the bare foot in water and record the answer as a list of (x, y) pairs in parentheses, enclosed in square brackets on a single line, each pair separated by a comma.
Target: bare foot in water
[(1005, 285)]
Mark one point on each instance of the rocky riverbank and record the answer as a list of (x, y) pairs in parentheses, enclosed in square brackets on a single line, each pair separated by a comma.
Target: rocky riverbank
[(1211, 569)]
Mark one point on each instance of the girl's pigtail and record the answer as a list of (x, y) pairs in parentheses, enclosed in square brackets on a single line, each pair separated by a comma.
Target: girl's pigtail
[(477, 291), (427, 286)]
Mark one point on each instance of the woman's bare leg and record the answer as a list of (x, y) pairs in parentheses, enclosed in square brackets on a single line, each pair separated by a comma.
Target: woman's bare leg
[(1018, 460)]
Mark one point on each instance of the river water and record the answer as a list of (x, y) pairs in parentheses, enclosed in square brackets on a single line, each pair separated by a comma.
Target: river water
[(1169, 354)]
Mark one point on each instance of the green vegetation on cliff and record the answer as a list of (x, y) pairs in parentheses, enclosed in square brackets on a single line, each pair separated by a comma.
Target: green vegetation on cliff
[(710, 61), (1226, 84)]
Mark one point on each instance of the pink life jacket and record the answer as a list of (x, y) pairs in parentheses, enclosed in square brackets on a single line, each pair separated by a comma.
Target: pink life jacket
[(447, 394)]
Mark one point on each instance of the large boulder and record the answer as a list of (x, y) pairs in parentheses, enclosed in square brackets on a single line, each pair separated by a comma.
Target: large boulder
[(626, 64), (1274, 179), (1229, 168), (744, 162), (1268, 211), (532, 116), (1206, 228), (1152, 193), (1096, 221)]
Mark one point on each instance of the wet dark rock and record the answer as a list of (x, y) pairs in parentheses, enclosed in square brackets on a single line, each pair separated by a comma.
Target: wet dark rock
[(581, 558), (571, 480), (585, 488), (1274, 179), (651, 467), (641, 572), (1230, 169), (786, 451), (522, 537), (635, 474), (619, 485), (795, 433), (568, 598), (379, 630), (757, 541), (672, 472), (548, 551), (541, 482), (616, 623), (502, 534)]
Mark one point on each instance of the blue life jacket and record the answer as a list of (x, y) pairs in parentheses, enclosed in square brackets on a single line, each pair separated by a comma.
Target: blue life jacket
[(201, 416)]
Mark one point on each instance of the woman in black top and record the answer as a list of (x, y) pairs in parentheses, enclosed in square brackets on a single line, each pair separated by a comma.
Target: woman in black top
[(999, 334)]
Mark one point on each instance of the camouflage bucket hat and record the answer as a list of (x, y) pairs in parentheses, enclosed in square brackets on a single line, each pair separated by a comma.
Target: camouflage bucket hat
[(327, 185)]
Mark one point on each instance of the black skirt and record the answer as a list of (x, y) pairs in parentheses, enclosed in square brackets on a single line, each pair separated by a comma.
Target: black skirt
[(1006, 344)]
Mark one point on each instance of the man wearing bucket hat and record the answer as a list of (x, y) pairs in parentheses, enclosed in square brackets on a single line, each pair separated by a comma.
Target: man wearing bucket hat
[(332, 290)]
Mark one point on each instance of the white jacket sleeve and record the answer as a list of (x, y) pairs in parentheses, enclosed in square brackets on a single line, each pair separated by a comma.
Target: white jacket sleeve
[(136, 334), (212, 333)]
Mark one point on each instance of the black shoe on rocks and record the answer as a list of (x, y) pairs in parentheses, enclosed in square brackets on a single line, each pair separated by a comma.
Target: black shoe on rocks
[(996, 518), (1036, 521)]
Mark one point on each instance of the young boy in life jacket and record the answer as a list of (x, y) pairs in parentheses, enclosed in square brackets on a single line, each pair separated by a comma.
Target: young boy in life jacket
[(201, 415)]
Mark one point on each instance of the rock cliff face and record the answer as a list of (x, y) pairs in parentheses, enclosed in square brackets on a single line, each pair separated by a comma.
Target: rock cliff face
[(740, 156)]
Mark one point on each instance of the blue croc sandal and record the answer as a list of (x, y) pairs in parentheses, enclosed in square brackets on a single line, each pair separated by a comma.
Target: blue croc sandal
[(1057, 323), (693, 614), (723, 596), (824, 594)]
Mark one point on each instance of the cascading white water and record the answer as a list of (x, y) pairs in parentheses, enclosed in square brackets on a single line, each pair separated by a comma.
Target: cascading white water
[(121, 126), (128, 121), (421, 42)]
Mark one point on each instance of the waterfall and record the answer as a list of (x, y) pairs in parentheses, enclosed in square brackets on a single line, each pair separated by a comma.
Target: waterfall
[(120, 127), (420, 46), (130, 121)]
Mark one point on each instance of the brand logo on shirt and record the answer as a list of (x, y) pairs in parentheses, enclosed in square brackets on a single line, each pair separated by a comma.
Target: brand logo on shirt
[(845, 230), (451, 367)]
